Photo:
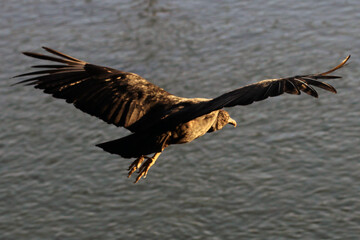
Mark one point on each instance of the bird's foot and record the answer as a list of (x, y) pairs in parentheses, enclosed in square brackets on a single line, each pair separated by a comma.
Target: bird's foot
[(145, 168), (135, 165)]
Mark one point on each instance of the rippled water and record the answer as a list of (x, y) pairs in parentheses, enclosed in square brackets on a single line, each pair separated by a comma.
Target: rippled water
[(290, 170)]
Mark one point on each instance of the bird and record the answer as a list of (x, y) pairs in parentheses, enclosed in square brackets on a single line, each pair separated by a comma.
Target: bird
[(155, 118)]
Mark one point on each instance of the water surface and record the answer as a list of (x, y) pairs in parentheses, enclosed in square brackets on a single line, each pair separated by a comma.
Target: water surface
[(290, 170)]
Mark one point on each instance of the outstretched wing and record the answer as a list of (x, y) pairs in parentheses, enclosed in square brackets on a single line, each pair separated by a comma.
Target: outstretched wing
[(117, 97), (252, 93)]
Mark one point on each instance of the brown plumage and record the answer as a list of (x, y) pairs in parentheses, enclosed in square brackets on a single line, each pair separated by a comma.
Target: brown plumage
[(155, 117)]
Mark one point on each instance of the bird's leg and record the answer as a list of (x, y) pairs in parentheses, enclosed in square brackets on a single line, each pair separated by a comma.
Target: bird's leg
[(146, 166), (135, 165)]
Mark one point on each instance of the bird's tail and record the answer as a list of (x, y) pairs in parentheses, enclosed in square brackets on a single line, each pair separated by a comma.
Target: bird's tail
[(136, 145)]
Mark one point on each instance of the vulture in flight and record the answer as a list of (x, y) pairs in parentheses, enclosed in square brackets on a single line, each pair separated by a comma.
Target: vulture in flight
[(155, 118)]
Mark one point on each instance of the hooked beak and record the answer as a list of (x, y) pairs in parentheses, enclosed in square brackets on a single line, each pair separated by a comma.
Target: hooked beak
[(232, 122)]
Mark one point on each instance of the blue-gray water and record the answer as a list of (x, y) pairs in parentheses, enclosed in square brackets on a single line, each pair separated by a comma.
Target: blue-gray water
[(290, 170)]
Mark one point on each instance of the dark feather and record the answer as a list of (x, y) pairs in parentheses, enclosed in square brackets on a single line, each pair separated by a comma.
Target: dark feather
[(49, 66), (117, 97), (246, 95), (306, 88), (45, 72), (62, 55), (322, 85), (44, 57), (126, 99), (155, 117), (291, 88)]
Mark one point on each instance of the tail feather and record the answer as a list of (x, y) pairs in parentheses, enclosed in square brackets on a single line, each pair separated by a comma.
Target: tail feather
[(136, 145)]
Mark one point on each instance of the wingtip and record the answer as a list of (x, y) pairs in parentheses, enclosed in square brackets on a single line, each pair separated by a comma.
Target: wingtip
[(17, 83), (345, 60), (337, 67), (46, 48), (27, 53)]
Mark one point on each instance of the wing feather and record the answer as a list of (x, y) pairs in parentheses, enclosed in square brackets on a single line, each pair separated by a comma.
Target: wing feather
[(306, 88), (249, 94), (117, 97), (128, 100)]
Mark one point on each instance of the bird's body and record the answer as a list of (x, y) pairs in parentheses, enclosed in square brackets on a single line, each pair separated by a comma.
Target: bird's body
[(155, 117), (189, 131)]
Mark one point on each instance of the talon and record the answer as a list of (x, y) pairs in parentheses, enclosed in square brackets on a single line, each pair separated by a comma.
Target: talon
[(143, 170), (138, 178), (143, 166), (135, 165)]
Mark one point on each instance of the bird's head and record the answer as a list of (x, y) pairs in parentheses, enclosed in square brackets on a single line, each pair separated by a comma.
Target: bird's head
[(232, 121), (222, 119)]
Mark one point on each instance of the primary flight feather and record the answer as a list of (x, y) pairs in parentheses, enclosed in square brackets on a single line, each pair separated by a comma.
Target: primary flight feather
[(155, 117)]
